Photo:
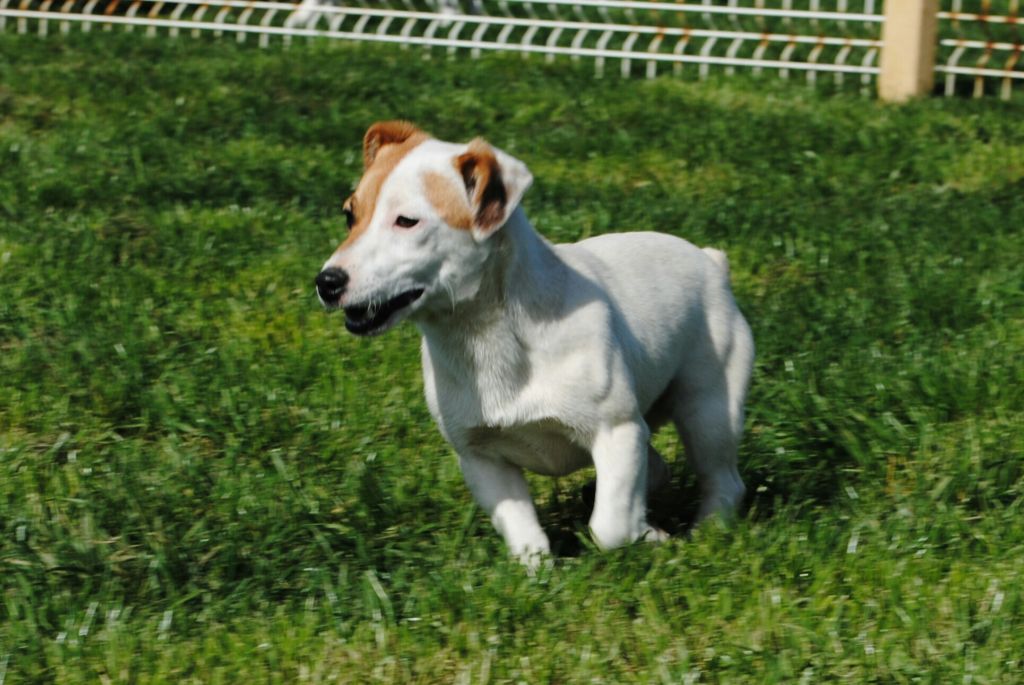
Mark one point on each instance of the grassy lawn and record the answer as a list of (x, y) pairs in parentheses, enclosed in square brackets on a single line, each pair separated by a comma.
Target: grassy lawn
[(204, 479)]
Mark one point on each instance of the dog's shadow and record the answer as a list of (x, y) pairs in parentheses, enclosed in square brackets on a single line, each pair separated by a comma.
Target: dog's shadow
[(567, 510)]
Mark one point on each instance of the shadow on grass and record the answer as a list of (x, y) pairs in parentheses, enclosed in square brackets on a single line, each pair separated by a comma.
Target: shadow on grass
[(565, 515), (673, 508)]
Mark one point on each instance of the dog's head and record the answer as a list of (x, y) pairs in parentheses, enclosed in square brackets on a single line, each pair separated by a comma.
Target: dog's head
[(420, 225)]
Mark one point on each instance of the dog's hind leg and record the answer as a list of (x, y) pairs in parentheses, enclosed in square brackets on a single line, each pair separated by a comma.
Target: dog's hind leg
[(710, 441), (709, 419)]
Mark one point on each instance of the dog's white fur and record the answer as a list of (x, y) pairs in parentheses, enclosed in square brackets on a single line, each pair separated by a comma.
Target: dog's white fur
[(554, 357)]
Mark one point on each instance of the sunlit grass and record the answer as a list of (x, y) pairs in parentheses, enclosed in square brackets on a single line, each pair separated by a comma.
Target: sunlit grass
[(204, 479)]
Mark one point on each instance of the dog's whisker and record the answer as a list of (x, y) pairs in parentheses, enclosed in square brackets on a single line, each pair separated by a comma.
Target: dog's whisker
[(451, 294)]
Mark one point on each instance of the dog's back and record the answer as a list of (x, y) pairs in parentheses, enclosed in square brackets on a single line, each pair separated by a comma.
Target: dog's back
[(666, 289)]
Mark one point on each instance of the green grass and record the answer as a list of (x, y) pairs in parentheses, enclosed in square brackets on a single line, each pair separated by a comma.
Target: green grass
[(203, 479)]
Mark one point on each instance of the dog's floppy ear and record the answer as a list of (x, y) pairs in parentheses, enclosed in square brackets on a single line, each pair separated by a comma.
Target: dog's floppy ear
[(495, 182), (386, 133)]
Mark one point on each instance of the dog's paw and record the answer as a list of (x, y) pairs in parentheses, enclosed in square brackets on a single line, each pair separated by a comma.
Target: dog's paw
[(653, 534), (536, 562), (619, 536), (533, 555)]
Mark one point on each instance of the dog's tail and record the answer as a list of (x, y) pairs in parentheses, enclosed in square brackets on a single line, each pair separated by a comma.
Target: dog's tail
[(719, 258)]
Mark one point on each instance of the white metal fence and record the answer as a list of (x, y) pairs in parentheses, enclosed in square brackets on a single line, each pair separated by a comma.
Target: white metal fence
[(840, 40), (980, 46)]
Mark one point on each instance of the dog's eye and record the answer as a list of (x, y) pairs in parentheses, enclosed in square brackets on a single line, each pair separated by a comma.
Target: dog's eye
[(406, 222), (350, 218)]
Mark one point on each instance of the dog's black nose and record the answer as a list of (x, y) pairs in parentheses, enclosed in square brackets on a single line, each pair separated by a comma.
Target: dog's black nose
[(330, 284)]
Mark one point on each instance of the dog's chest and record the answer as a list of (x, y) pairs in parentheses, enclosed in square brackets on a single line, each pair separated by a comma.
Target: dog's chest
[(491, 380), (504, 410), (544, 447)]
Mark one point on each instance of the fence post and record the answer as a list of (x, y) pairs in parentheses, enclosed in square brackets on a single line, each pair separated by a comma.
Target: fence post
[(908, 49)]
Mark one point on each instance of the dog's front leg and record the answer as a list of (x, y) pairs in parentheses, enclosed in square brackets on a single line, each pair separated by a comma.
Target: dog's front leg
[(620, 504), (502, 491)]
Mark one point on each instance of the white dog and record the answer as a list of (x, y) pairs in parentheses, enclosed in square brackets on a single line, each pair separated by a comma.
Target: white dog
[(539, 356)]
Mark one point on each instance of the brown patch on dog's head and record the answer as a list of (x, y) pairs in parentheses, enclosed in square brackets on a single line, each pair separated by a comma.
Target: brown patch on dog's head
[(448, 199), (481, 173), (387, 133), (385, 144)]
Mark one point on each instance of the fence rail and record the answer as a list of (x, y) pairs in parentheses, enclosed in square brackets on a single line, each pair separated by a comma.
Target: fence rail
[(979, 46)]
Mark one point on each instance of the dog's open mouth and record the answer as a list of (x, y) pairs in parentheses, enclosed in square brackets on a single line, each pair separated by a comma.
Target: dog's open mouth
[(367, 319)]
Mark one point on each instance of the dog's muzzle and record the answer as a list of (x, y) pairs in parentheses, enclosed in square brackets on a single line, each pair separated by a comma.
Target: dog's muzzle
[(372, 318), (330, 285)]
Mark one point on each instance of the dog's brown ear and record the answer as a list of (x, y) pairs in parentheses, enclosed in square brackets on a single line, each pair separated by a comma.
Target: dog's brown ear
[(495, 182), (386, 133)]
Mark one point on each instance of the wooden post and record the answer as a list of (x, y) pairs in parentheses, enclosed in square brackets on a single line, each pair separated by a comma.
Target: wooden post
[(908, 49)]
